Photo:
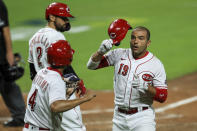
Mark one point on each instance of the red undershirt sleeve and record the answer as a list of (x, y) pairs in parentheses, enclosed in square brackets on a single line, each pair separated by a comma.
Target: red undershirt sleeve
[(161, 94), (103, 63)]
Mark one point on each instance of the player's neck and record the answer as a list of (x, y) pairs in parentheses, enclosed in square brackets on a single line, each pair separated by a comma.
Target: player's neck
[(51, 25), (140, 56), (59, 70)]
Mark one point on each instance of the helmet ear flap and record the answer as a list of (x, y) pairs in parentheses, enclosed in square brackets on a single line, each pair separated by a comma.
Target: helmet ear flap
[(117, 30)]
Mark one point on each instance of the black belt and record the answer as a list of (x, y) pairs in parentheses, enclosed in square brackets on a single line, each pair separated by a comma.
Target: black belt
[(131, 110), (27, 126)]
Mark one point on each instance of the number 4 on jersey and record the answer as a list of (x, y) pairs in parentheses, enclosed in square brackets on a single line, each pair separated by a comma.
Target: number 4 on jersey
[(32, 99)]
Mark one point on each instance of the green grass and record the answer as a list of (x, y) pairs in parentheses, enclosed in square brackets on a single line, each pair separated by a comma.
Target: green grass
[(172, 25)]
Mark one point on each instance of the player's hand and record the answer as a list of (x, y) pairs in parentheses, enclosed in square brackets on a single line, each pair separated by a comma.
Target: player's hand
[(89, 95), (69, 92), (105, 46), (72, 82), (81, 87), (141, 85)]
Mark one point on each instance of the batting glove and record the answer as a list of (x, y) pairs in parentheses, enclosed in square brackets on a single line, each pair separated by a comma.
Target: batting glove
[(70, 78), (105, 46), (140, 85)]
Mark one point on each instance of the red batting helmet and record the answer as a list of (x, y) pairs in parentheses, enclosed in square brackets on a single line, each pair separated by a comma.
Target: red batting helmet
[(60, 53), (118, 30), (58, 9)]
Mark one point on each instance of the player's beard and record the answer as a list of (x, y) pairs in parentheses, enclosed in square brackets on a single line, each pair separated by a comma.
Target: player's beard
[(139, 52), (62, 28)]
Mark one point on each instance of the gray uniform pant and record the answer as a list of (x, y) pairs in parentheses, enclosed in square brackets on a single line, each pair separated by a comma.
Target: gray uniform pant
[(12, 97)]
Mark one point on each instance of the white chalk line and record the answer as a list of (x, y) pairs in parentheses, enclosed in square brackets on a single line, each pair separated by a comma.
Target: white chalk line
[(158, 110), (5, 118), (169, 116), (176, 104), (98, 122), (97, 111)]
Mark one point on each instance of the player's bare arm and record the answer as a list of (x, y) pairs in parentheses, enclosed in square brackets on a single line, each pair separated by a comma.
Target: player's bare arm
[(96, 57), (9, 55), (152, 90), (64, 105)]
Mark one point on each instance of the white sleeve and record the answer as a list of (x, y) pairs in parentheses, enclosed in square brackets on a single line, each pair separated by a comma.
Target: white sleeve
[(55, 37), (30, 57), (112, 56), (57, 91), (110, 59), (160, 77)]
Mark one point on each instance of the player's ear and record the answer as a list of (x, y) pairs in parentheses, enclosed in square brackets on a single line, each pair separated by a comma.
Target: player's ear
[(148, 43), (51, 17)]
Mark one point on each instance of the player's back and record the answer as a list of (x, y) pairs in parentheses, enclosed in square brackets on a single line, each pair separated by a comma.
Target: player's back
[(38, 45), (40, 97)]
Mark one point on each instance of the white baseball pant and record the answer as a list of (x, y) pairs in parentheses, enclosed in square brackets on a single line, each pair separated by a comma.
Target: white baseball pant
[(140, 121)]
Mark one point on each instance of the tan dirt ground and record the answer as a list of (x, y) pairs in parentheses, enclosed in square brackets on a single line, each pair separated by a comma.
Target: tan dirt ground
[(181, 118)]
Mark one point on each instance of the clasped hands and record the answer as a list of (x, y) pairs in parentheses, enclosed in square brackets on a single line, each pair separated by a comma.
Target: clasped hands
[(73, 83)]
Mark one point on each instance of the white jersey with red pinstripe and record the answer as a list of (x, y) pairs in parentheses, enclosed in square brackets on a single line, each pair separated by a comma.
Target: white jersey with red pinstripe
[(149, 68), (47, 87), (72, 119), (38, 45)]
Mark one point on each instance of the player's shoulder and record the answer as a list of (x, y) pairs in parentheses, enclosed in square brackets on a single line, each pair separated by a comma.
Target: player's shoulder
[(48, 30), (55, 35), (48, 72), (51, 34), (51, 76), (39, 32), (156, 60)]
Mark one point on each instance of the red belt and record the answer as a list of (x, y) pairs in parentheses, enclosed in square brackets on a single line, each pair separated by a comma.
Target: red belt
[(131, 110), (27, 126)]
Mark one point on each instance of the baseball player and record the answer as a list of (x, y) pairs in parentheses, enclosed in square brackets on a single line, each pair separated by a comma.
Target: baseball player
[(57, 15), (47, 100), (139, 79)]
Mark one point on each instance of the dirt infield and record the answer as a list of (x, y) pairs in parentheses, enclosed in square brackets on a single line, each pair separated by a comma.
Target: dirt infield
[(178, 113)]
